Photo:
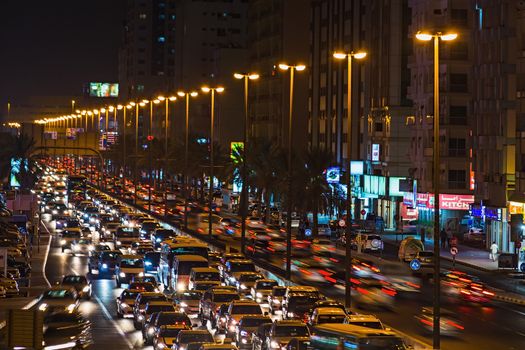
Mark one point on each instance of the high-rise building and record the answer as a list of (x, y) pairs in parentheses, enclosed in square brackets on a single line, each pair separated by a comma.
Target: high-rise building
[(456, 89), (278, 33), (148, 48), (379, 84), (498, 113)]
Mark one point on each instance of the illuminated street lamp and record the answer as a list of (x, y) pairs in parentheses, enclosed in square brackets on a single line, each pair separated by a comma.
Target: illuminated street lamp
[(246, 77), (348, 229), (212, 91), (292, 69), (425, 36), (187, 96)]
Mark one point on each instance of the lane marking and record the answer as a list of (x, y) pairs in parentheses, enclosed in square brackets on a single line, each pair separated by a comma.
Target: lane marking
[(45, 261)]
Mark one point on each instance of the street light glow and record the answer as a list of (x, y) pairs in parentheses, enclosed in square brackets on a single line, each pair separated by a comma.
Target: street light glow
[(339, 55), (300, 67), (360, 55), (253, 76), (283, 66), (219, 89), (129, 106), (161, 98), (238, 76), (172, 98), (194, 93), (95, 111), (142, 104), (156, 102), (119, 107), (205, 89), (423, 36), (449, 36), (181, 93), (102, 110), (132, 103), (145, 101)]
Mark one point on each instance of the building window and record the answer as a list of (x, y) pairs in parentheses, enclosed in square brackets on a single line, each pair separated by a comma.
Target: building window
[(161, 39), (140, 88), (456, 147), (221, 32), (458, 83), (378, 127), (142, 16), (457, 179), (459, 50), (457, 115)]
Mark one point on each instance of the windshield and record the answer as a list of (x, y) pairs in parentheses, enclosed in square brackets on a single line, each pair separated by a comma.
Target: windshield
[(164, 234), (147, 299), (153, 257), (201, 251), (207, 276), (159, 308), (189, 296), (265, 285), (291, 331), (149, 225), (381, 343), (246, 310), (187, 337), (426, 254), (242, 267), (58, 294), (375, 325), (110, 255), (72, 223), (253, 322), (84, 241), (127, 232), (331, 319), (74, 279), (134, 263), (70, 234), (301, 301), (169, 333), (250, 278), (186, 266), (225, 298)]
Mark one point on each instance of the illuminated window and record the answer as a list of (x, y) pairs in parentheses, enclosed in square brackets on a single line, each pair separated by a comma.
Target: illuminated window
[(143, 16), (161, 39)]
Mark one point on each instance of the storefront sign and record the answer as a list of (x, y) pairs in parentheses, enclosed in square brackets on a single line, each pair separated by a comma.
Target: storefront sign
[(492, 213), (375, 152), (394, 186), (333, 175), (374, 185), (446, 201), (357, 167), (476, 211)]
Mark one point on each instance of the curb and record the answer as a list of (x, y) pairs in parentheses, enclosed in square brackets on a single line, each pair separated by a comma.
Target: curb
[(510, 300)]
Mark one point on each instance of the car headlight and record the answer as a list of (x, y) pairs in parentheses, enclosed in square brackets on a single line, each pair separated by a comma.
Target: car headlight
[(42, 307), (122, 274), (151, 330), (76, 247), (91, 248), (276, 301), (124, 305), (119, 243), (244, 341), (147, 263), (140, 317), (104, 266), (85, 289), (183, 304), (63, 241), (274, 344), (161, 345), (54, 212), (244, 333), (158, 240), (223, 319), (141, 274), (258, 295), (243, 287), (290, 314), (71, 307), (232, 328), (181, 286)]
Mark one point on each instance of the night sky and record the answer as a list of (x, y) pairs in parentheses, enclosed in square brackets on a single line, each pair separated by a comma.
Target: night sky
[(53, 47)]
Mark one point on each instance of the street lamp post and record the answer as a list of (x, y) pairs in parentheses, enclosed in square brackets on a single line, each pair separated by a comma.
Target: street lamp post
[(187, 96), (212, 91), (348, 229), (437, 290), (166, 134), (244, 191), (292, 69)]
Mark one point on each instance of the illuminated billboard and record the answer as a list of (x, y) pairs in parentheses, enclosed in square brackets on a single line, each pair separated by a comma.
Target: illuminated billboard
[(103, 90)]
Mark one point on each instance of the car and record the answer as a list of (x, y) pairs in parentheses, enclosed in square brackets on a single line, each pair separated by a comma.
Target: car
[(152, 307), (188, 301), (58, 298), (370, 242), (82, 246), (327, 315), (104, 262), (203, 278), (81, 284), (369, 321), (151, 262), (69, 236), (262, 289), (165, 336), (246, 280), (449, 324), (143, 298), (235, 267), (247, 327), (371, 292), (10, 286), (125, 302), (216, 346), (298, 344), (212, 300), (275, 299), (426, 259), (145, 279), (260, 337), (192, 339), (66, 328), (127, 267), (282, 332), (143, 286), (164, 318), (236, 310)]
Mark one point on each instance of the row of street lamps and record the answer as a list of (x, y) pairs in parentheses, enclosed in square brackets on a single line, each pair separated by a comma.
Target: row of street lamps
[(246, 77)]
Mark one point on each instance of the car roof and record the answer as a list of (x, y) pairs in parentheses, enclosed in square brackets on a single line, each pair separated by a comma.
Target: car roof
[(342, 327), (204, 269), (191, 258), (330, 311), (365, 318), (157, 302), (129, 256), (244, 302), (302, 289)]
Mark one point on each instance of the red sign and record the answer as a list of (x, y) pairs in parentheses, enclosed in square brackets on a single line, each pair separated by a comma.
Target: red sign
[(446, 201)]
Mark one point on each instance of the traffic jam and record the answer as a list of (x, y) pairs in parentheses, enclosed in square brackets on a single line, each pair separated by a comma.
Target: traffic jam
[(182, 293)]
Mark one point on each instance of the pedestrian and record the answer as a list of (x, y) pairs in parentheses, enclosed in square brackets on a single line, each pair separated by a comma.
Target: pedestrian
[(494, 251), (449, 237), (443, 236)]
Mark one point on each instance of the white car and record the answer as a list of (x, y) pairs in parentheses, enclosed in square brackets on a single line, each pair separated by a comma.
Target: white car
[(369, 321), (370, 242), (82, 246)]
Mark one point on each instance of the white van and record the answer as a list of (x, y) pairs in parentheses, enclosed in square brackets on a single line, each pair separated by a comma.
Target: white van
[(181, 268)]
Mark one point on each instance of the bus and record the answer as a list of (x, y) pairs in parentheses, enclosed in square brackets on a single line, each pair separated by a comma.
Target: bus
[(169, 250), (345, 336)]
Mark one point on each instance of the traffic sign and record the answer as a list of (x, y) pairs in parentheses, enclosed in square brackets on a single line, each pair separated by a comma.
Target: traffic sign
[(342, 223), (453, 250), (308, 232), (363, 212), (415, 264)]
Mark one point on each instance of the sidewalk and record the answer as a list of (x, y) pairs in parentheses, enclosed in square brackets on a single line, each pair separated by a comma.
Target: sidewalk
[(468, 256)]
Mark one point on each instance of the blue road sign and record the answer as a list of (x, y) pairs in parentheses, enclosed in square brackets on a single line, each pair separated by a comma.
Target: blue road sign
[(308, 232), (415, 264)]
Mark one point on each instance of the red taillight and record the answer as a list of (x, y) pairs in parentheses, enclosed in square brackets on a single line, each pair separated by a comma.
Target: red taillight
[(454, 324), (330, 279), (486, 292), (362, 290), (390, 292)]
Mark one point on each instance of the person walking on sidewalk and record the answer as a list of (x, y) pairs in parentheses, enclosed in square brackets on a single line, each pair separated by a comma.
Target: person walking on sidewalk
[(494, 251), (443, 237), (449, 237)]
